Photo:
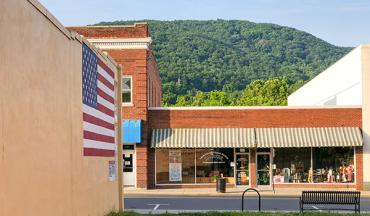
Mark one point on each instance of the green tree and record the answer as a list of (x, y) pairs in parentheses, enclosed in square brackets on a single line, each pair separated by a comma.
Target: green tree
[(182, 101), (272, 92), (216, 98), (199, 99)]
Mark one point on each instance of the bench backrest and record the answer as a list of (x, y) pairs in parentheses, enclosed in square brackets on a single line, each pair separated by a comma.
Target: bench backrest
[(339, 197)]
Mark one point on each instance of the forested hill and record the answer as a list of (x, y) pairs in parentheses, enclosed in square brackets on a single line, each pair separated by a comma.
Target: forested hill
[(203, 56)]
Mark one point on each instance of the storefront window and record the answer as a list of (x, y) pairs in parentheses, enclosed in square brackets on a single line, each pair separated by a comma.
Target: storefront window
[(333, 165), (213, 163), (175, 166), (292, 165), (330, 165)]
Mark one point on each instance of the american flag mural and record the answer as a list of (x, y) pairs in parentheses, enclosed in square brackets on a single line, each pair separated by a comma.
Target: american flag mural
[(98, 97)]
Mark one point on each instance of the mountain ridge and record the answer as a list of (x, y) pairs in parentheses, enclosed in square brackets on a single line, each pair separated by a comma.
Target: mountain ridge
[(214, 55)]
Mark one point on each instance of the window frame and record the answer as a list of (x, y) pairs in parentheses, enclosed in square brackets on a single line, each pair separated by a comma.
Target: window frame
[(131, 91)]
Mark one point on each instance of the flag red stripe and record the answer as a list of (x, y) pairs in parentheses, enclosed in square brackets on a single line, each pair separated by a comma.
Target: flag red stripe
[(106, 68), (98, 137), (105, 82), (98, 152), (105, 110), (97, 121), (104, 95)]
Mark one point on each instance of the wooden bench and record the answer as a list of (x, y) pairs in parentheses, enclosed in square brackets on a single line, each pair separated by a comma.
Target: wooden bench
[(331, 198)]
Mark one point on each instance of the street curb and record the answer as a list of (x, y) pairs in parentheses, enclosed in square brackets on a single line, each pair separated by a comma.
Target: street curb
[(218, 195), (149, 211)]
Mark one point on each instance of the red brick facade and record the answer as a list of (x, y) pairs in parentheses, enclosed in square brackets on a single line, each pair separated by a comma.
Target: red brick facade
[(255, 117)]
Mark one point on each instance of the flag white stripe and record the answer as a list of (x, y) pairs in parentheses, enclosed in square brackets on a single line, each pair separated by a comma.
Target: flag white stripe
[(98, 129), (99, 145), (105, 89), (106, 103), (96, 113), (102, 72)]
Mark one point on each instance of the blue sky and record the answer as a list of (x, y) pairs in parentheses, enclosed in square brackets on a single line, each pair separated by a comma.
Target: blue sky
[(340, 22)]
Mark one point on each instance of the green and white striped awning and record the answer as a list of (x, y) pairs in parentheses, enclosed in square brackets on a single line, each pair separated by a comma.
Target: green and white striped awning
[(256, 137), (203, 138), (308, 137)]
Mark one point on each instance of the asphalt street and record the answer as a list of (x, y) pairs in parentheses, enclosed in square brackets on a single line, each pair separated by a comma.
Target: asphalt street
[(188, 203)]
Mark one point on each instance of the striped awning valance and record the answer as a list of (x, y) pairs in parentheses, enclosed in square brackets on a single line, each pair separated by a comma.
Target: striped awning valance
[(203, 138), (308, 137)]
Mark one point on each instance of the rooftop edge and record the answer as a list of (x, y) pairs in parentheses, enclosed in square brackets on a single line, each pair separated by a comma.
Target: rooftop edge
[(254, 107)]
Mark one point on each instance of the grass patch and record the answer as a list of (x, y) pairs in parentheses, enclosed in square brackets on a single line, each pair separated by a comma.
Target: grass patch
[(234, 214)]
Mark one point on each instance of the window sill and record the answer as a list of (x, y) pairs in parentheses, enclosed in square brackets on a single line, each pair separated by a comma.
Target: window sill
[(127, 104)]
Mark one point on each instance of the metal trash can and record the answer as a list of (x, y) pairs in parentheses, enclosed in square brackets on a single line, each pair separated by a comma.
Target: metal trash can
[(221, 185)]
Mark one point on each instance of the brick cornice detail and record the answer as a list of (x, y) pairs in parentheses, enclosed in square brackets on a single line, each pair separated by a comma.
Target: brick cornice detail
[(122, 43)]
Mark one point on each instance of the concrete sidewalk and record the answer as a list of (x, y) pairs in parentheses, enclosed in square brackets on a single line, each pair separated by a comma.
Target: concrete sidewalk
[(234, 191)]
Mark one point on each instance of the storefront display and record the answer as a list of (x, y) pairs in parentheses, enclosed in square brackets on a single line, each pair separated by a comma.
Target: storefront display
[(190, 166), (314, 165), (333, 165), (213, 163), (292, 165), (279, 165), (175, 166)]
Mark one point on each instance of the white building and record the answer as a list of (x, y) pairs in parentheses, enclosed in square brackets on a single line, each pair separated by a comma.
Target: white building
[(340, 84)]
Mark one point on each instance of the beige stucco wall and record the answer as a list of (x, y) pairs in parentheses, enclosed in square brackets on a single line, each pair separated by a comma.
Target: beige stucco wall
[(365, 59), (42, 167)]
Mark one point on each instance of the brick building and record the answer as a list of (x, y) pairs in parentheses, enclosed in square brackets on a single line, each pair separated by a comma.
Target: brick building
[(249, 146), (289, 140), (131, 47)]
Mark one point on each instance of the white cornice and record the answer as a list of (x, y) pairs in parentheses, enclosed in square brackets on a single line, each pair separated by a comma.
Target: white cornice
[(121, 43)]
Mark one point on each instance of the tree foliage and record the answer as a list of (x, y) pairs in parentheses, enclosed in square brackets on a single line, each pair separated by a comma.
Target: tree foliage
[(227, 55), (272, 92)]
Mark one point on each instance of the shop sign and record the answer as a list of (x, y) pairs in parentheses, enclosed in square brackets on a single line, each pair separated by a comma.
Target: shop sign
[(112, 170), (175, 166), (214, 158), (175, 172)]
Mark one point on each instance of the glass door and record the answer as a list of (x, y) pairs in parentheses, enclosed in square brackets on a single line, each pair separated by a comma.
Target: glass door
[(263, 169), (242, 169)]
